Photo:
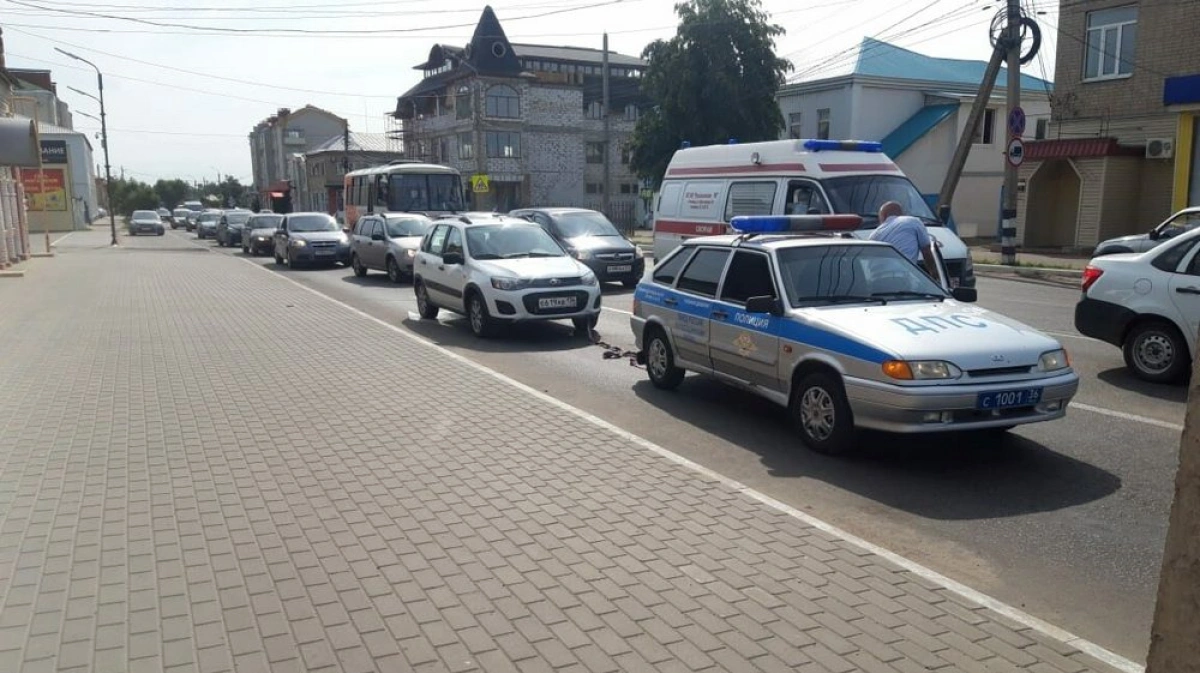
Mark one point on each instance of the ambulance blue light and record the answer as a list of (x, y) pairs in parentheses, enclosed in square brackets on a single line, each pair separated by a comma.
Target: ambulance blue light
[(844, 145), (685, 144), (733, 141)]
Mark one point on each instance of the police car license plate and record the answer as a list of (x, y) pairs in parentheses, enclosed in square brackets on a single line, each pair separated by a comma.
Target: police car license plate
[(1008, 399), (622, 268), (557, 302)]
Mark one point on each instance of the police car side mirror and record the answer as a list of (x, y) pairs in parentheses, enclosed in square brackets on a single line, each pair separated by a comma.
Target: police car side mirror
[(765, 304), (965, 294)]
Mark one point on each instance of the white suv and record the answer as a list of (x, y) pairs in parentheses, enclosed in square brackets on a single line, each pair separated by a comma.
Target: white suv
[(497, 270), (1148, 304)]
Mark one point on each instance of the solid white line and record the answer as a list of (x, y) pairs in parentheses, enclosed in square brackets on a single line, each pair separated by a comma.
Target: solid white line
[(615, 310), (1128, 417), (1070, 336), (1049, 630), (59, 239)]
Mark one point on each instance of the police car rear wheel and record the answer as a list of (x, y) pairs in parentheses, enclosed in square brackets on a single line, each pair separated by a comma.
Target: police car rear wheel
[(822, 414), (660, 363)]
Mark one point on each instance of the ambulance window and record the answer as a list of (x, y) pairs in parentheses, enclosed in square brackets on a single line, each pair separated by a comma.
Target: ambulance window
[(666, 272), (703, 274), (749, 275), (804, 198), (750, 198), (668, 199)]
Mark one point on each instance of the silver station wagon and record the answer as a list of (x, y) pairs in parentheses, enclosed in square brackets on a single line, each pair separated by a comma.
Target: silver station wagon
[(845, 333)]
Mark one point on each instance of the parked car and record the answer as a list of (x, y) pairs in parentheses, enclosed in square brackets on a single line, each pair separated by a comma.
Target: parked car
[(164, 214), (146, 222), (1148, 305), (229, 227), (258, 234), (1179, 223), (179, 217), (497, 270), (591, 238), (206, 223), (310, 238), (387, 243), (844, 333)]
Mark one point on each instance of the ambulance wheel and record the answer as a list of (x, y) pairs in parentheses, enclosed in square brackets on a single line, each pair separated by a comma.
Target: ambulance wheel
[(822, 414), (660, 362)]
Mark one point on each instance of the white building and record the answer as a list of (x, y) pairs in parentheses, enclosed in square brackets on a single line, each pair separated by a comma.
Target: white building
[(918, 105)]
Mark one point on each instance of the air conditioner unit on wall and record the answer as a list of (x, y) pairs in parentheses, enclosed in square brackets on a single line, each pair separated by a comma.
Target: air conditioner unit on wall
[(1160, 148)]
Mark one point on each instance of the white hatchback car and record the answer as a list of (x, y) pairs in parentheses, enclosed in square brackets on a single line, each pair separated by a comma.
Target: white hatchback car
[(1148, 304), (498, 270)]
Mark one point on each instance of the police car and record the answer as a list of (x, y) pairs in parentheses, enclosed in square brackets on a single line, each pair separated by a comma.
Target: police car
[(846, 333)]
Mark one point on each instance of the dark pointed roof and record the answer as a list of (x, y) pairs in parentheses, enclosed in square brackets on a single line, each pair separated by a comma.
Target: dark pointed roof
[(490, 52)]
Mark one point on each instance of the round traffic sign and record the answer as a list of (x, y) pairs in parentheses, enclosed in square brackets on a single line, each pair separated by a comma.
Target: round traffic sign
[(1015, 152), (1016, 122)]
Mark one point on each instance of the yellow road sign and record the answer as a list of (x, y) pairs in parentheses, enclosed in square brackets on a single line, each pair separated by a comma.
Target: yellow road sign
[(480, 183)]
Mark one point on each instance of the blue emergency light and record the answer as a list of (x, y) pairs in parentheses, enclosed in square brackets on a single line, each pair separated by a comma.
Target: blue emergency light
[(782, 224), (844, 145)]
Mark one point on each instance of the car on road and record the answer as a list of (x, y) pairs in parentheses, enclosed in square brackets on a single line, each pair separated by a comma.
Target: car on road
[(845, 333), (310, 238), (591, 238), (497, 271), (387, 243), (206, 223), (1148, 305), (258, 234), (146, 222), (163, 214), (1179, 223), (229, 228), (179, 217)]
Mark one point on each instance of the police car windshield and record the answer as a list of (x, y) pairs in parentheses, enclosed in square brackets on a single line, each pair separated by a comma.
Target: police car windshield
[(827, 274), (864, 194), (511, 241), (573, 225)]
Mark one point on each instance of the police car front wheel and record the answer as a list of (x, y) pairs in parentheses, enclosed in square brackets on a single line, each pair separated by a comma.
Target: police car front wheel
[(822, 414), (660, 362)]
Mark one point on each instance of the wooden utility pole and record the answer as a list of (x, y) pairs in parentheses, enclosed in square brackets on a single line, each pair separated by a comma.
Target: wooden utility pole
[(604, 198), (959, 160), (1008, 224), (1175, 635)]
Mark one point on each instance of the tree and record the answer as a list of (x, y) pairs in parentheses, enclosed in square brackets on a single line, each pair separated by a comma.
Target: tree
[(129, 195), (713, 82), (171, 193)]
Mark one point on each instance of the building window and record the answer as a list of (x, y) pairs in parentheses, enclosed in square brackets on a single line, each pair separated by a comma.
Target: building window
[(1042, 126), (466, 147), (823, 123), (794, 119), (987, 128), (595, 188), (443, 150), (631, 113), (626, 154), (503, 102), (462, 102), (1111, 35), (594, 152), (594, 110), (503, 144)]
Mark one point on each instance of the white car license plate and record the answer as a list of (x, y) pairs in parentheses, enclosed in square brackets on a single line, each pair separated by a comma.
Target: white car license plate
[(557, 302), (621, 268), (324, 253)]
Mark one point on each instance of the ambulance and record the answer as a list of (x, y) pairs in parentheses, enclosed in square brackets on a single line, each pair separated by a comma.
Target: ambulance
[(704, 188)]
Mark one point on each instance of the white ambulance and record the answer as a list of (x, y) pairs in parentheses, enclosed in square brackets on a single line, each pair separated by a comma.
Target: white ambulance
[(706, 187)]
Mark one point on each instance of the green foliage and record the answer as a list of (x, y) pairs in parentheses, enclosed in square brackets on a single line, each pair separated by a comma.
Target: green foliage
[(171, 193), (129, 195), (714, 81)]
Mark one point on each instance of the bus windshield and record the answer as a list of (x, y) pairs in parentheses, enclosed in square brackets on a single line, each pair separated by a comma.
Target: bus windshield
[(414, 193)]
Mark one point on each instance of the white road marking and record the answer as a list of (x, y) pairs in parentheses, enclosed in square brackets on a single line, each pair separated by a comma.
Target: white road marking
[(1127, 417), (1065, 335), (615, 310), (1021, 617), (59, 239)]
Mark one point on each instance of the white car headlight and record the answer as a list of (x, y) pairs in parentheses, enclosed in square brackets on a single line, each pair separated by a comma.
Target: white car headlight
[(410, 252), (509, 284), (920, 370), (588, 278), (1052, 361), (298, 243)]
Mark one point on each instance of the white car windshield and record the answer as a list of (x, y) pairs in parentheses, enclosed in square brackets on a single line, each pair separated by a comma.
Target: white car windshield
[(825, 274), (511, 241), (400, 227)]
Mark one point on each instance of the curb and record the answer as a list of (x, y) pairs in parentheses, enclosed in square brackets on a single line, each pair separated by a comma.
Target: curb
[(1055, 277)]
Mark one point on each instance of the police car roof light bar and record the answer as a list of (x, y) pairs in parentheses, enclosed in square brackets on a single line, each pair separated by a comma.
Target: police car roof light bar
[(843, 145), (783, 224)]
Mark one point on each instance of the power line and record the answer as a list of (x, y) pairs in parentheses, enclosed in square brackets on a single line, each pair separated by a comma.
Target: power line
[(289, 15)]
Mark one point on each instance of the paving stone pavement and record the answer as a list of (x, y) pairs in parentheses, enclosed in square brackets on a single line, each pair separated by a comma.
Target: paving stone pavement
[(207, 468)]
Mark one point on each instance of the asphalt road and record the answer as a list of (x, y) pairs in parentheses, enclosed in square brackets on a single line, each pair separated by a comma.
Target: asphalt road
[(1065, 519)]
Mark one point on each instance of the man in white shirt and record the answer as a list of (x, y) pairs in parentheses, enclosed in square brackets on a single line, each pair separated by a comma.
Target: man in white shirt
[(907, 234)]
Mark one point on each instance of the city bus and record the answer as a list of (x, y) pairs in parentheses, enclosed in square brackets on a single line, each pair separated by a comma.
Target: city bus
[(402, 187)]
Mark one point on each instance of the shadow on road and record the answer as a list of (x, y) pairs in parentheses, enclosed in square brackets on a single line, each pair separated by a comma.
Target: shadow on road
[(376, 279), (451, 330), (956, 476), (1121, 378)]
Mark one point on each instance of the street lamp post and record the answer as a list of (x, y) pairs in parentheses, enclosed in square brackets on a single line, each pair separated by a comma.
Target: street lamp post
[(112, 214)]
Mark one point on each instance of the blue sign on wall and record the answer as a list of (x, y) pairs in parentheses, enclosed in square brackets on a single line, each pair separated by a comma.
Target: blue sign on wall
[(1181, 90)]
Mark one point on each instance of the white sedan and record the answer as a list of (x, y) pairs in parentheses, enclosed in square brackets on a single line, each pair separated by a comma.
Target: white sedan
[(1148, 304)]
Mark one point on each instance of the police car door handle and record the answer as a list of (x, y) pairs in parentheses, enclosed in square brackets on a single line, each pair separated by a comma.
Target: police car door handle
[(670, 301), (720, 315), (1188, 290)]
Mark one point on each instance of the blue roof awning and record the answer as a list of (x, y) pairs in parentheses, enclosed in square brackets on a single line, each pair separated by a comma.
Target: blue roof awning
[(916, 127)]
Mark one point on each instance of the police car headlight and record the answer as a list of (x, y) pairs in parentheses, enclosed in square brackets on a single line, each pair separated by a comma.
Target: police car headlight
[(920, 370), (1053, 361), (509, 284), (588, 278)]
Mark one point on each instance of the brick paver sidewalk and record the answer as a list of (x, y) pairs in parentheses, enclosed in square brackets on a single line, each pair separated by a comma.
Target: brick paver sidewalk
[(207, 468)]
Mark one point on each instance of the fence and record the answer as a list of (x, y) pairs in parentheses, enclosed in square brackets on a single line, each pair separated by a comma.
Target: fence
[(14, 227), (621, 213)]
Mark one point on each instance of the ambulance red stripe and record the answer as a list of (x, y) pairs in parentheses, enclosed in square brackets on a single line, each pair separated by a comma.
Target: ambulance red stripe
[(740, 169)]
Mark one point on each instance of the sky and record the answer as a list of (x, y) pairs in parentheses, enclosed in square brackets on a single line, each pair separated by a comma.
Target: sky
[(186, 81)]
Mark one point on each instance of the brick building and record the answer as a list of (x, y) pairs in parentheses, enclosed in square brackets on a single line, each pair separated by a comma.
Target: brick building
[(1121, 154), (531, 118), (320, 187), (277, 141)]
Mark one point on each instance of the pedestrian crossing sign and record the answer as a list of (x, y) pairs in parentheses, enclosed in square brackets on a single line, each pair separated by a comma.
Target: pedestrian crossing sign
[(480, 183)]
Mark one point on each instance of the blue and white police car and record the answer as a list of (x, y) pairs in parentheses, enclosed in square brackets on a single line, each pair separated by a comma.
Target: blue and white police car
[(846, 333)]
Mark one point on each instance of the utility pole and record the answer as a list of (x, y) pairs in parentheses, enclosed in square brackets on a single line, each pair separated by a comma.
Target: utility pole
[(480, 139), (1008, 224), (954, 172), (345, 165), (604, 197)]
